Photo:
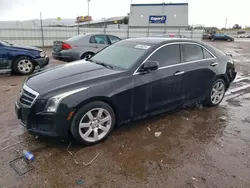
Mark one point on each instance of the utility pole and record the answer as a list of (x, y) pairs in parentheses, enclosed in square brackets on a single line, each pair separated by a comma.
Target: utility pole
[(41, 20)]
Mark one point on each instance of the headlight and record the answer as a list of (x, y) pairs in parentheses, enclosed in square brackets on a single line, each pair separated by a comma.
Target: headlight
[(54, 102), (42, 54)]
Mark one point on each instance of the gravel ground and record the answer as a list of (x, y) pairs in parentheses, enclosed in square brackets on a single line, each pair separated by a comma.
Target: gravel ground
[(198, 147)]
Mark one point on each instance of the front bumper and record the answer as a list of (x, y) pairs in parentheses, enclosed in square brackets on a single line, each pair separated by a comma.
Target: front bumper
[(43, 124), (42, 62)]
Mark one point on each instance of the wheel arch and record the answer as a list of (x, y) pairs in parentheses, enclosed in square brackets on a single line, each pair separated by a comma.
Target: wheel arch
[(20, 55), (102, 99), (86, 53), (224, 78)]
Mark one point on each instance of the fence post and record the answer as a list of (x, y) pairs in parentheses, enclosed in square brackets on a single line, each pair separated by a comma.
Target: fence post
[(104, 28), (192, 33), (148, 29), (78, 28), (41, 20)]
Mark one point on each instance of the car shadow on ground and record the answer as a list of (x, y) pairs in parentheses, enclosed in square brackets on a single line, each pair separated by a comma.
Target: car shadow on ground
[(193, 115)]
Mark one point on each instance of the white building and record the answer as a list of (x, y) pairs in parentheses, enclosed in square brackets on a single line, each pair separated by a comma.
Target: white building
[(170, 15)]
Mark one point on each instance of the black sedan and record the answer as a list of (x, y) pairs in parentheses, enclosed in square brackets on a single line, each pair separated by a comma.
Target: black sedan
[(131, 79)]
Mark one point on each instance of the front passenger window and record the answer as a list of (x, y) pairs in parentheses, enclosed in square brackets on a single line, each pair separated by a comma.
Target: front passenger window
[(99, 39), (192, 52), (167, 55)]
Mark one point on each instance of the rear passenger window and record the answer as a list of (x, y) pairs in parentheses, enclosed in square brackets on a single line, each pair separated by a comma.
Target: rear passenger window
[(207, 55), (167, 55), (192, 52)]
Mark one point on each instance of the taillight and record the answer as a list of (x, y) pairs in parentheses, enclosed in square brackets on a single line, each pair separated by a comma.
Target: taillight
[(66, 46)]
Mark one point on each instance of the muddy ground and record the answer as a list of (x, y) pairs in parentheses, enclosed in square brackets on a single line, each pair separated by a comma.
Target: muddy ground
[(198, 147)]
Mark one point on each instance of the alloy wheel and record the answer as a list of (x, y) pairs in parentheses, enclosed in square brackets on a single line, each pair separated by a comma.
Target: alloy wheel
[(95, 125), (217, 92), (25, 66)]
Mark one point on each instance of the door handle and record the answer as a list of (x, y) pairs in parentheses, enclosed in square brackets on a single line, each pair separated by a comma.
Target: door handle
[(95, 46), (213, 64), (179, 73)]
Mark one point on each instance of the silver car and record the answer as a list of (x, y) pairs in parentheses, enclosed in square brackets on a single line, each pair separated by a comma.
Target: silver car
[(81, 46)]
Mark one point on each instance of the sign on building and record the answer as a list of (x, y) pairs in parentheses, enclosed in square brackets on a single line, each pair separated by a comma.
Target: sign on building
[(158, 19)]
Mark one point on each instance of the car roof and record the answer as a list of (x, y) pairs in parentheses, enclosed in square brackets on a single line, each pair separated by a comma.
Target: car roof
[(159, 40)]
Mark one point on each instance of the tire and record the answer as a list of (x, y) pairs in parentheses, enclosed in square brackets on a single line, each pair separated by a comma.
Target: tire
[(101, 123), (87, 55), (229, 40), (212, 39), (23, 65), (220, 93)]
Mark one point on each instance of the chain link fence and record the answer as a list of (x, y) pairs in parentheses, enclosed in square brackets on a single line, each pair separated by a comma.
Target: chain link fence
[(44, 37)]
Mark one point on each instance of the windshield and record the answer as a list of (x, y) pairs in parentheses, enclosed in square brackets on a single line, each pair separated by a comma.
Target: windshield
[(122, 54)]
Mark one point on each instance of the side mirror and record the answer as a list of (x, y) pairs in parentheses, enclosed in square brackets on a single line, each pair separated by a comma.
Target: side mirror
[(150, 66)]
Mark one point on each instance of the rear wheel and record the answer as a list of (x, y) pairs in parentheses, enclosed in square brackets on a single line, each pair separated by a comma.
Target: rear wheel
[(229, 40), (216, 94), (23, 65), (87, 55), (93, 123)]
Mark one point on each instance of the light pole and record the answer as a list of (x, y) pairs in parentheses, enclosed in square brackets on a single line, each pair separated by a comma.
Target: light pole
[(226, 23), (88, 12)]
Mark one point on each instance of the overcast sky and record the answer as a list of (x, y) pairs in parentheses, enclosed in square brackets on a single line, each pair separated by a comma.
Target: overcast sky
[(206, 12)]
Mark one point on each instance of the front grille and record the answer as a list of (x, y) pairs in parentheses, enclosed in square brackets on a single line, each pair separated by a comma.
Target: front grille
[(28, 96)]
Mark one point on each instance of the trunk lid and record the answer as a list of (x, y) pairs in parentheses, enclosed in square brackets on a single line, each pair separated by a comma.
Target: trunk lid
[(57, 46)]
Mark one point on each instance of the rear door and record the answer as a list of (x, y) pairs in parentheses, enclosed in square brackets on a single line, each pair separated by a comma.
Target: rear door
[(166, 91), (200, 68), (98, 42)]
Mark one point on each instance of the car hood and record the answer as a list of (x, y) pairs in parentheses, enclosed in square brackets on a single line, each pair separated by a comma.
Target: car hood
[(26, 47), (79, 74)]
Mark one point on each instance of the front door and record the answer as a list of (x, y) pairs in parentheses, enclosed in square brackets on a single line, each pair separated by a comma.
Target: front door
[(141, 93), (200, 68), (166, 91), (5, 63)]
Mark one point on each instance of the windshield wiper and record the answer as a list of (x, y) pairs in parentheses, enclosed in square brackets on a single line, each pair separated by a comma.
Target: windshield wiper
[(101, 63), (105, 65)]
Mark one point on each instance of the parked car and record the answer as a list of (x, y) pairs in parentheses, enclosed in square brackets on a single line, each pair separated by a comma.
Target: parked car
[(88, 98), (81, 46), (206, 36), (21, 59), (244, 36), (222, 37), (241, 32)]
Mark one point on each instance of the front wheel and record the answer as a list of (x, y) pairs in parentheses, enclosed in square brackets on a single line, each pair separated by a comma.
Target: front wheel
[(93, 123), (216, 94), (23, 65)]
